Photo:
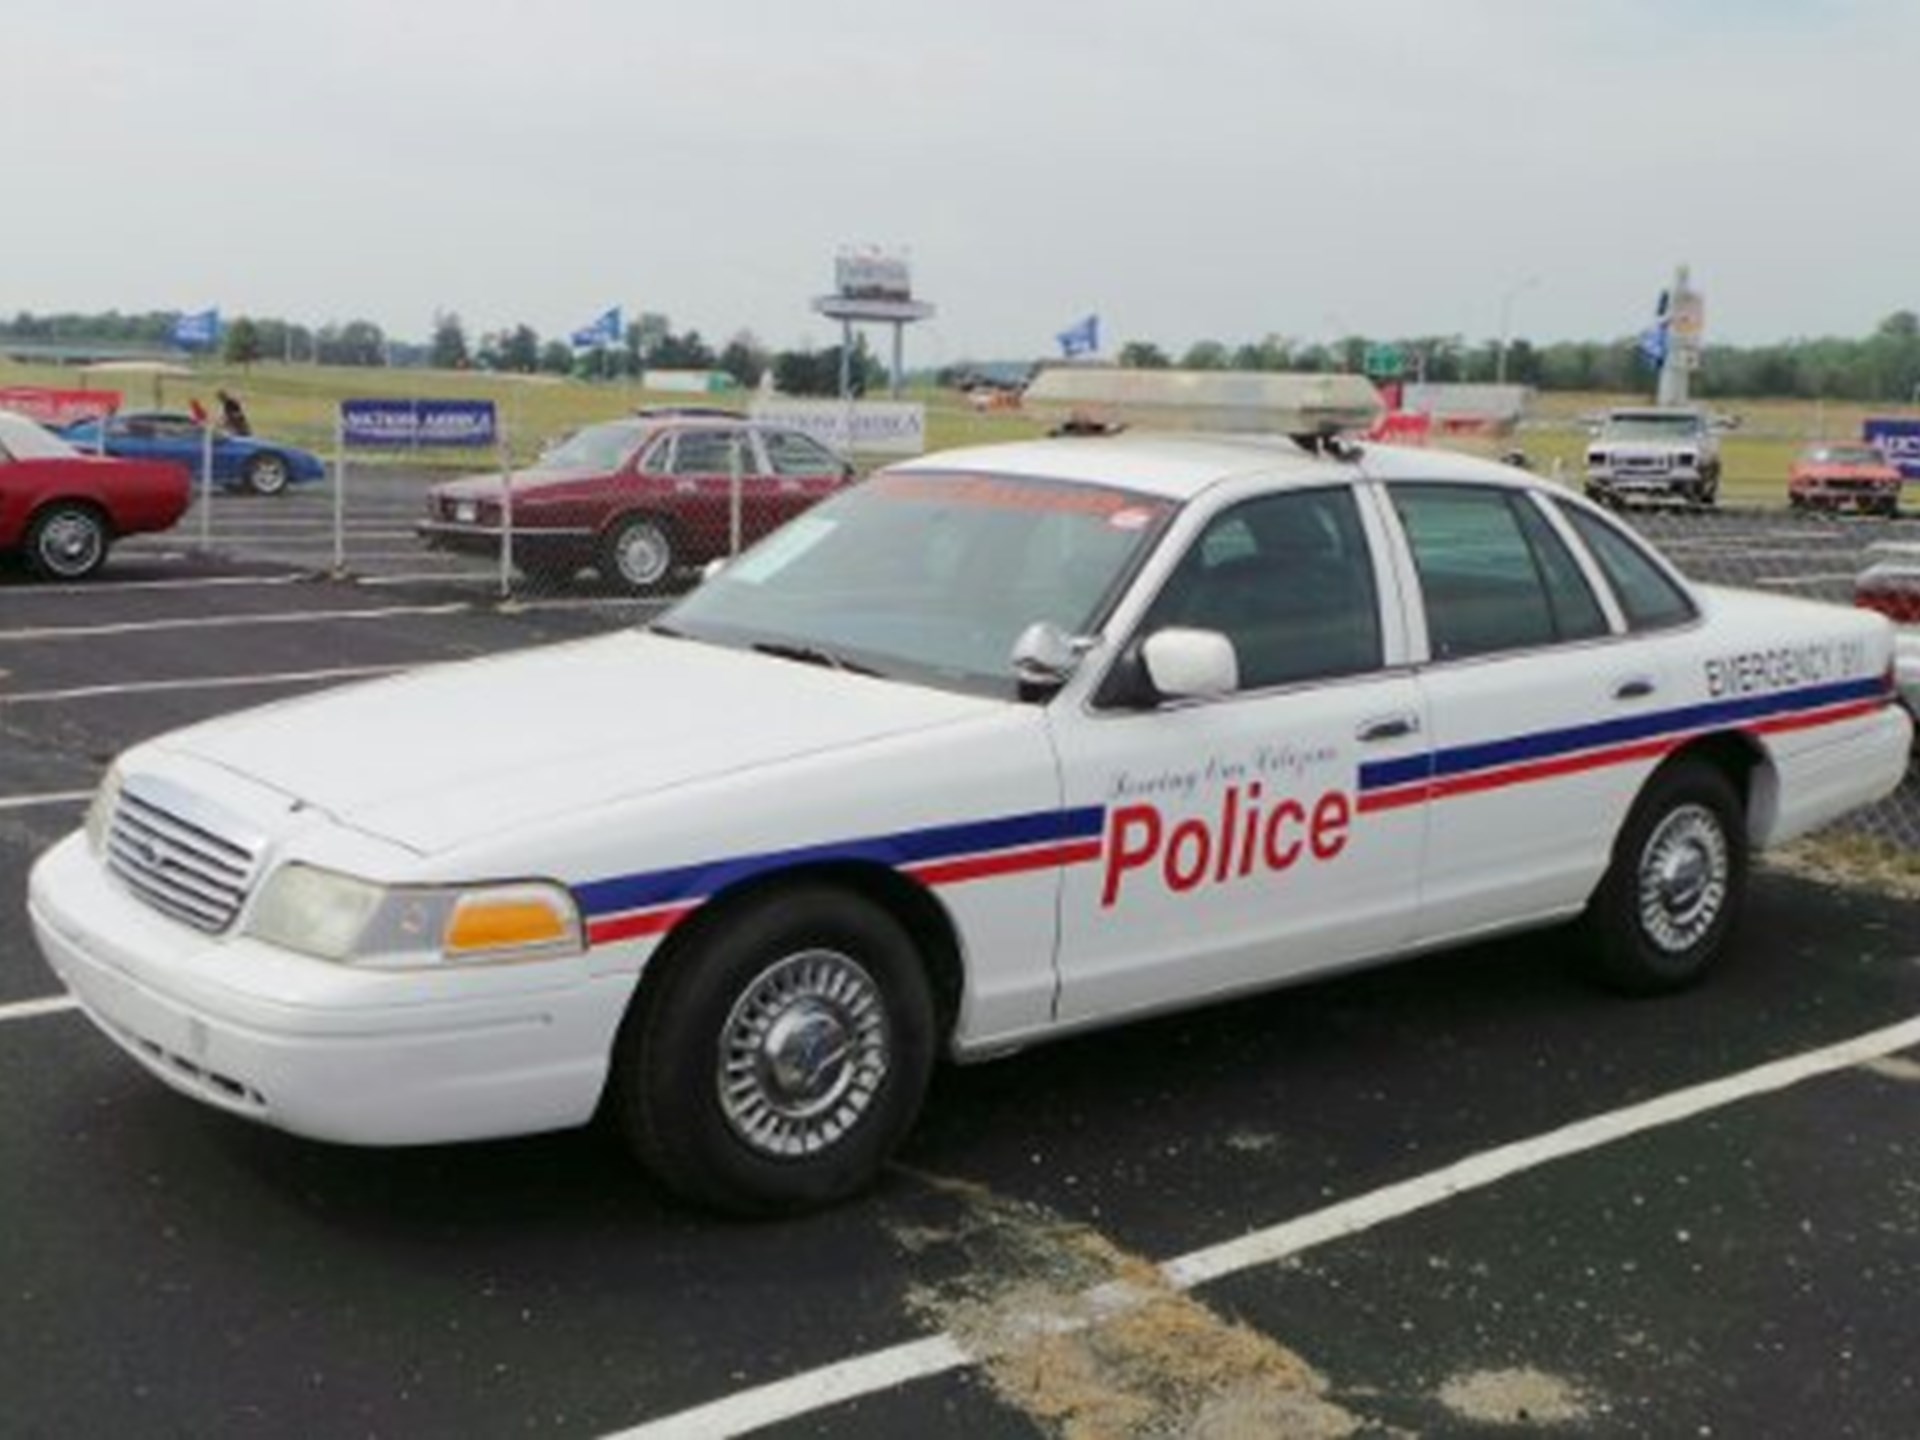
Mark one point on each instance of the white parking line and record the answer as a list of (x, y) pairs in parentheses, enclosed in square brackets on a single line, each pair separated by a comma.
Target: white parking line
[(51, 797), (101, 587), (1787, 581), (216, 622), (921, 1359), (212, 682), (33, 1009)]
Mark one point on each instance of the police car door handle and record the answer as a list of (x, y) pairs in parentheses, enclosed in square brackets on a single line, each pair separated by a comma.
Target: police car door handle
[(1388, 727), (1636, 687)]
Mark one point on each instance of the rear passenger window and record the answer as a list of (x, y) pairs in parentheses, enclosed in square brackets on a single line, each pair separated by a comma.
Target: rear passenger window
[(1648, 597), (1493, 574)]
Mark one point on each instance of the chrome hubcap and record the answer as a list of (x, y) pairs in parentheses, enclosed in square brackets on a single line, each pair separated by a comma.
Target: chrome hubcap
[(1683, 878), (69, 544), (803, 1054), (269, 475), (643, 554)]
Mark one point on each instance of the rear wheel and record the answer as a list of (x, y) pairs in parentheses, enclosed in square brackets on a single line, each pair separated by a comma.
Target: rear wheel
[(638, 554), (67, 541), (1676, 883), (268, 474), (782, 1058)]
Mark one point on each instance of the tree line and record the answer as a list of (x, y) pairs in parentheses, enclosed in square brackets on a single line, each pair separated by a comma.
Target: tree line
[(648, 343), (1882, 366)]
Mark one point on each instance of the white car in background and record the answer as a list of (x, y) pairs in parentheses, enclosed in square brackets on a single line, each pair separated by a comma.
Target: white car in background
[(1891, 585), (1001, 745)]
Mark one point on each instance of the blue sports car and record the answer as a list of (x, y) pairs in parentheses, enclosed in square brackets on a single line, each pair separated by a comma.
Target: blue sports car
[(265, 467)]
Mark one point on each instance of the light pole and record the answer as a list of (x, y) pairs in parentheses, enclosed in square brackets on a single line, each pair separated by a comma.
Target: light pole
[(1512, 293)]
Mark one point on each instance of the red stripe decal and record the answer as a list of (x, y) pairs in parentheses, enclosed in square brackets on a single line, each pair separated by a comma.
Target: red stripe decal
[(1808, 720), (628, 927), (1375, 800), (981, 867)]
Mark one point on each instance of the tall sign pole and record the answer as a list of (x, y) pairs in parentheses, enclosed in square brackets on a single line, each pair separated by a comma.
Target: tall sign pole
[(1685, 321)]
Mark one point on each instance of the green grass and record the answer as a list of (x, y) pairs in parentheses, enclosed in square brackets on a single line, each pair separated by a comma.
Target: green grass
[(298, 403)]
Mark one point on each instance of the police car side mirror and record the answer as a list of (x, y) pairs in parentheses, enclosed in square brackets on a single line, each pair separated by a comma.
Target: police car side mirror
[(1187, 664)]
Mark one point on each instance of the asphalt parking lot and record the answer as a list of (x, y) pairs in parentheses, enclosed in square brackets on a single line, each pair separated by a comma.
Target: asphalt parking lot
[(1451, 1197)]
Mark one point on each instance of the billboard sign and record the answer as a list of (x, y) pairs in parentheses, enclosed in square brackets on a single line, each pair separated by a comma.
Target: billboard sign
[(870, 275), (418, 424), (1898, 440), (872, 427), (54, 408)]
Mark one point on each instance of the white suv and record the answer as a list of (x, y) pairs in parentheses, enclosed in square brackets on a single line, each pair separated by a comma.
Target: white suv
[(1654, 451)]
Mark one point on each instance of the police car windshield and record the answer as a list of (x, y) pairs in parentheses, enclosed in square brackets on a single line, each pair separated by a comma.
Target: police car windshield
[(598, 447), (929, 577)]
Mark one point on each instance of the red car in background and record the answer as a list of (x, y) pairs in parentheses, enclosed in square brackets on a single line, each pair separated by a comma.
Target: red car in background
[(1840, 474), (639, 499), (62, 509)]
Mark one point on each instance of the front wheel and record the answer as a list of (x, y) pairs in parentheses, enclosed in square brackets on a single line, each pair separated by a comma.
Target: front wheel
[(67, 542), (1676, 883), (783, 1057), (637, 555), (268, 474)]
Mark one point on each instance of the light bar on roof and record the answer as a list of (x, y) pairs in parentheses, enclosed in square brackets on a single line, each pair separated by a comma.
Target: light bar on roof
[(1230, 400)]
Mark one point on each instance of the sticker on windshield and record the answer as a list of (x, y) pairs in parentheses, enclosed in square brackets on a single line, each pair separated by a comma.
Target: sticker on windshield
[(1010, 493), (780, 550), (1135, 517)]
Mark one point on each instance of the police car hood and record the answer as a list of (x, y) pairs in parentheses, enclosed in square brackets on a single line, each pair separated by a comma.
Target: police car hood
[(455, 752)]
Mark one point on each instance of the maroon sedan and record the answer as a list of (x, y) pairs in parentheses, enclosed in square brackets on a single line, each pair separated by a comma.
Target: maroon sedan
[(62, 509), (639, 499)]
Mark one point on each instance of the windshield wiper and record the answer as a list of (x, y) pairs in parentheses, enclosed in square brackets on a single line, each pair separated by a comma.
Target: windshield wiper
[(811, 655)]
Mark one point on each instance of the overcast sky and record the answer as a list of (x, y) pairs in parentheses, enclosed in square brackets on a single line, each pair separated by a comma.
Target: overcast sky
[(1185, 168)]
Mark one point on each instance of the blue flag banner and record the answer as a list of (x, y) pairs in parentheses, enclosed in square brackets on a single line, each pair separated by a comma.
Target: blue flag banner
[(422, 424), (604, 331), (1653, 344), (1899, 441), (1080, 339), (198, 331)]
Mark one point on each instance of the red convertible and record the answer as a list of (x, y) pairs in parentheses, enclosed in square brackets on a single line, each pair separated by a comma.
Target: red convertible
[(639, 499), (62, 509)]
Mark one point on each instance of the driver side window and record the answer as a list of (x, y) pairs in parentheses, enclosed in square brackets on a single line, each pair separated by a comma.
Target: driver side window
[(1289, 580)]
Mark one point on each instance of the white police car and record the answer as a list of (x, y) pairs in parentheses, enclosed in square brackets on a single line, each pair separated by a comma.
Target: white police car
[(1002, 744)]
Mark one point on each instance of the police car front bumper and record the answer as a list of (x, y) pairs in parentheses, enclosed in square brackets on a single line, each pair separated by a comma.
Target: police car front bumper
[(323, 1050)]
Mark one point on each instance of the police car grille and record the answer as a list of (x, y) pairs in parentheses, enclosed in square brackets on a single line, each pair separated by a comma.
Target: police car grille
[(179, 868)]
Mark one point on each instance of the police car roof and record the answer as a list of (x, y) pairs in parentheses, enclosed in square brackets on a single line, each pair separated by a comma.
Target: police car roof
[(1180, 465)]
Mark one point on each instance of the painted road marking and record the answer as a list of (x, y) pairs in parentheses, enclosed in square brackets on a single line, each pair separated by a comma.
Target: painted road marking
[(214, 682), (107, 587), (53, 797), (922, 1359), (33, 1009), (215, 622), (1790, 580)]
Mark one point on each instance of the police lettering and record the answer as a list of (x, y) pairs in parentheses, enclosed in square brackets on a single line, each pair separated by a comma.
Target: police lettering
[(1248, 835)]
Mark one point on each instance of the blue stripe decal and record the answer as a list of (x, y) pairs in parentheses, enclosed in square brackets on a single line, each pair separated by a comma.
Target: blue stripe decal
[(622, 893), (1546, 744)]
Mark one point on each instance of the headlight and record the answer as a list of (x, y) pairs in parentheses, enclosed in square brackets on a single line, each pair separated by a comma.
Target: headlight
[(353, 921), (100, 812)]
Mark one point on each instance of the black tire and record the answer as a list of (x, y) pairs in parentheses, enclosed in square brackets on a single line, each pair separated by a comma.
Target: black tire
[(1675, 887), (638, 554), (268, 474), (67, 541), (718, 1084)]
